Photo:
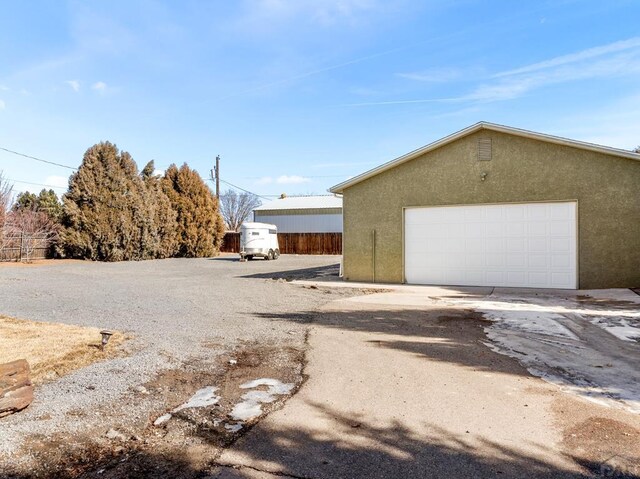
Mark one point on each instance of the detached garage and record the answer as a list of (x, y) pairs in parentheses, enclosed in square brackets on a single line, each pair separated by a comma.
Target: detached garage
[(497, 206)]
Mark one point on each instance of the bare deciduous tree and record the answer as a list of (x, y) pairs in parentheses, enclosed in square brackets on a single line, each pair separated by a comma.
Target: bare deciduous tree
[(236, 208), (5, 203), (5, 197), (31, 230)]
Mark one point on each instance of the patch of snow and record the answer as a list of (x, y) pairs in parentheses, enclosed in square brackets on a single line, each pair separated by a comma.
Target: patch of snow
[(251, 405), (275, 386), (202, 398), (162, 419), (540, 315), (622, 329), (582, 345), (233, 427)]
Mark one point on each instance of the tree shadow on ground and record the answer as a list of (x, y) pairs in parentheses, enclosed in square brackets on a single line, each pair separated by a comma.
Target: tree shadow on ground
[(235, 258), (355, 448), (448, 335), (324, 273), (457, 336)]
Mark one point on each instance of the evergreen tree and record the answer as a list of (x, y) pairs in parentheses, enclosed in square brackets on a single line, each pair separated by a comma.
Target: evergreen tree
[(200, 226), (46, 202), (147, 171), (162, 241), (105, 215), (25, 201)]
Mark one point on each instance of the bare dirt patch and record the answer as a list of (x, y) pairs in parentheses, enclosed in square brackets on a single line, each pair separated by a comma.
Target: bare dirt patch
[(185, 445), (605, 446), (52, 350)]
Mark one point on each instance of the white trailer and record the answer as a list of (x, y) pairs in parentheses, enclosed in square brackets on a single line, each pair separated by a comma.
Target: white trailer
[(259, 239)]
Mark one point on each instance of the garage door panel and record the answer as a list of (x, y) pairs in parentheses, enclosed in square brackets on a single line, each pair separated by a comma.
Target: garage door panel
[(560, 228), (476, 262), (538, 212), (560, 245), (539, 261), (495, 260), (516, 228), (494, 245), (494, 230), (516, 245), (538, 245), (538, 228), (475, 245), (474, 230), (561, 280), (494, 277), (563, 211), (560, 261), (514, 212), (516, 261), (539, 279)]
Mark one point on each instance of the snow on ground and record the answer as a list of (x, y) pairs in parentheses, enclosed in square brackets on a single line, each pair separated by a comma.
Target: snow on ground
[(249, 408), (588, 344), (251, 405), (540, 314), (202, 398)]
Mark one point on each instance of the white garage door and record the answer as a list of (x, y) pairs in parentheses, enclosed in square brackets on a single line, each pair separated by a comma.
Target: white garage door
[(523, 245)]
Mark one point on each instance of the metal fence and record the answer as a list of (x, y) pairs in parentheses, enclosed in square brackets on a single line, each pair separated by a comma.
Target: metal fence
[(24, 247), (293, 243)]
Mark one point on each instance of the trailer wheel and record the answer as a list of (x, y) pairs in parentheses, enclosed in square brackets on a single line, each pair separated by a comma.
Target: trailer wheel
[(269, 255), (249, 257), (276, 254)]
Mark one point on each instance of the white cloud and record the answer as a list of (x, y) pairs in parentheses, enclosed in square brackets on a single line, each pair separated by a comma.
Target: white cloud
[(158, 172), (74, 84), (321, 11), (57, 181), (292, 180), (2, 105), (613, 125), (343, 164), (99, 86), (615, 59), (434, 75), (4, 88), (630, 44)]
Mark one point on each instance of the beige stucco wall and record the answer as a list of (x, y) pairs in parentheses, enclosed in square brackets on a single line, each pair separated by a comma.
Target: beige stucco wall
[(606, 187)]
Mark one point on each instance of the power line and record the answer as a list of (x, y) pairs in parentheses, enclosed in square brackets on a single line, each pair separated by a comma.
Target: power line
[(242, 189), (36, 184), (305, 176), (36, 159)]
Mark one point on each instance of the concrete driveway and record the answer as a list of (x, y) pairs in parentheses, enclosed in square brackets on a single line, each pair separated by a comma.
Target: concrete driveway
[(421, 382)]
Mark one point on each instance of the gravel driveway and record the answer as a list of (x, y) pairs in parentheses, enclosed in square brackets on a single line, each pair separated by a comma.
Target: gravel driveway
[(181, 314)]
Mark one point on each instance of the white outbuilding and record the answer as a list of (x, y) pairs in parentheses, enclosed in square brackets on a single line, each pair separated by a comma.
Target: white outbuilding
[(303, 214)]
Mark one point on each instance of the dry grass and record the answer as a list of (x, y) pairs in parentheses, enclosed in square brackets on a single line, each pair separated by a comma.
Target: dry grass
[(37, 262), (52, 350)]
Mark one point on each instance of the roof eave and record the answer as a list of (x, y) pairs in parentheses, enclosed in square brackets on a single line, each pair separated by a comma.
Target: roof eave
[(339, 188)]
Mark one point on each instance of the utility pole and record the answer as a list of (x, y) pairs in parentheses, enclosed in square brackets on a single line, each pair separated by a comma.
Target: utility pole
[(217, 170)]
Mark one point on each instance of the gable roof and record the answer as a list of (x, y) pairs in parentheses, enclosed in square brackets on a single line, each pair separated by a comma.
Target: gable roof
[(302, 203), (339, 188)]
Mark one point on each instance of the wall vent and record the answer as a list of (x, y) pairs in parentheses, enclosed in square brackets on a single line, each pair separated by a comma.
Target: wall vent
[(484, 149)]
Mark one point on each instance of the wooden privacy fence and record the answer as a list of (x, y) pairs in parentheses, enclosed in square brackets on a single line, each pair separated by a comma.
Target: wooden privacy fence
[(24, 247), (231, 242), (294, 243)]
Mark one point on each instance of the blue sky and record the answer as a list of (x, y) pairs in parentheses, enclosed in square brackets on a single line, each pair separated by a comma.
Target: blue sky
[(297, 95)]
